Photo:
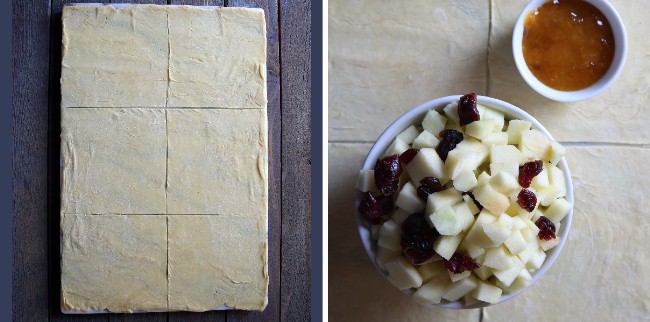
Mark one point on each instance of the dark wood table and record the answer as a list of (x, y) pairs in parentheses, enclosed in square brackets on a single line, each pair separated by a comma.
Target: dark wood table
[(36, 128)]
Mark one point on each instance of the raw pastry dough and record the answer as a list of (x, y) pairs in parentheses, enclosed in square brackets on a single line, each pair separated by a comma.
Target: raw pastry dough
[(387, 58), (619, 114), (217, 57), (113, 161), (602, 272), (114, 57), (357, 291), (114, 262), (217, 260), (217, 161)]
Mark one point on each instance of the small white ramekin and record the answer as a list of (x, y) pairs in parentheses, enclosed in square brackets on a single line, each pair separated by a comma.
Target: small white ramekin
[(415, 116), (620, 51)]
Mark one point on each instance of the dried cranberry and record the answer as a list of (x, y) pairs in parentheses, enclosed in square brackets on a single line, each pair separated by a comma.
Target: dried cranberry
[(459, 263), (408, 155), (528, 171), (527, 200), (429, 185), (467, 111), (387, 172), (546, 228), (471, 195), (373, 208), (417, 238), (450, 138)]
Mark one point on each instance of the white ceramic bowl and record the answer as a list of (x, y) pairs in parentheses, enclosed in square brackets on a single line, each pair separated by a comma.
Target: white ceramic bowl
[(415, 116), (620, 51)]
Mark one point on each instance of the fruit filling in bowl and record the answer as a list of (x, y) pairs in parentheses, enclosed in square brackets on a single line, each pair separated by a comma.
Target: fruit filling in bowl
[(465, 204)]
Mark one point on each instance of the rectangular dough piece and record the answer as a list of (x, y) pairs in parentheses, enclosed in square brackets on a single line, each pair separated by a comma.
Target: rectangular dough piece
[(618, 115), (602, 272), (114, 57), (217, 57), (114, 262), (217, 260), (113, 161), (387, 58), (217, 161)]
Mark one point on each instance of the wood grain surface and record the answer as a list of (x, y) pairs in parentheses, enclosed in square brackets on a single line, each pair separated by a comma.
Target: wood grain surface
[(36, 117)]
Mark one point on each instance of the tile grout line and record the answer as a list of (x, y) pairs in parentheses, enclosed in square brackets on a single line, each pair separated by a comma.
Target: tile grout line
[(169, 52), (487, 56), (279, 30), (166, 159), (167, 221)]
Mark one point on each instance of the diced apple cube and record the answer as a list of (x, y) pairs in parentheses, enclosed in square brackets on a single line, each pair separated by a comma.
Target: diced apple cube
[(556, 178), (498, 258), (557, 152), (403, 274), (483, 178), (458, 277), (518, 223), (432, 259), (459, 289), (425, 140), (374, 232), (465, 216), (476, 234), (383, 255), (441, 199), (451, 112), (487, 293), (558, 210), (530, 225), (508, 276), (536, 214), (536, 261), (494, 201), (473, 208), (432, 291), (516, 242), (498, 138), (481, 129), (506, 221), (472, 250), (465, 180), (535, 145), (483, 272), (389, 236), (446, 222), (521, 281), (504, 182), (548, 244), (409, 134), (468, 154), (528, 234), (397, 147), (399, 215), (468, 299), (511, 167), (548, 195), (366, 181), (497, 232), (434, 122), (531, 248), (506, 153), (515, 127), (431, 270), (446, 246), (498, 117), (408, 199), (426, 163)]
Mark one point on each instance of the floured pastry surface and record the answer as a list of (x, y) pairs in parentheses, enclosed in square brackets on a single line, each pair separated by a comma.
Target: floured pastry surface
[(114, 262), (217, 161), (113, 161), (217, 260), (387, 58), (217, 58), (114, 57)]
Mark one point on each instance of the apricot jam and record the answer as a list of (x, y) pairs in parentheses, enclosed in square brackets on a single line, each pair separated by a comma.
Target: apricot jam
[(568, 44)]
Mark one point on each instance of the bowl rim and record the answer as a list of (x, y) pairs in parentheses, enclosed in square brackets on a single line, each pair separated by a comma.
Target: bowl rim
[(618, 61), (415, 115)]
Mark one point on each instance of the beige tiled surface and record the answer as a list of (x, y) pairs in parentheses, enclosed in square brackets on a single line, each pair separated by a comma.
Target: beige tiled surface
[(602, 271)]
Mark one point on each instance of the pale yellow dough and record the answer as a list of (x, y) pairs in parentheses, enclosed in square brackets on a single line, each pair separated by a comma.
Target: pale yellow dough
[(113, 161), (217, 260), (114, 262), (217, 58), (386, 58), (114, 57), (217, 161)]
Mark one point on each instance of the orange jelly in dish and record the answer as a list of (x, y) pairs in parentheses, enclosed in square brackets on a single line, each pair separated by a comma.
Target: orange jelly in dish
[(568, 44)]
